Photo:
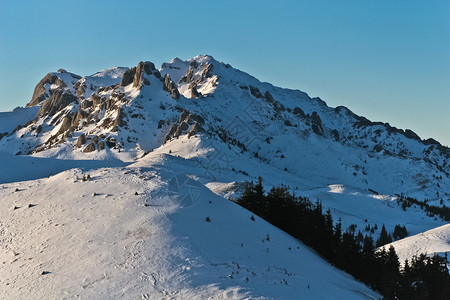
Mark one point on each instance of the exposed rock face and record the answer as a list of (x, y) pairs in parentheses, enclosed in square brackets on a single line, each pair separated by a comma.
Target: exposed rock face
[(298, 111), (194, 92), (411, 134), (171, 87), (255, 92), (39, 91), (66, 124), (118, 122), (335, 134), (101, 145), (57, 101), (110, 142), (81, 141), (128, 77), (316, 124), (207, 69), (186, 119), (138, 76), (80, 89), (269, 97), (195, 129), (89, 148)]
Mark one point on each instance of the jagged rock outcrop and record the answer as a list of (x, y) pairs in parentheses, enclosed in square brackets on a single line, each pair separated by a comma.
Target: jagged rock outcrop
[(118, 121), (195, 129), (255, 92), (185, 121), (89, 148), (39, 91), (81, 141), (57, 101), (135, 75), (66, 124), (207, 69), (171, 87), (139, 75), (194, 92), (110, 142), (80, 89), (101, 145), (299, 112), (316, 124), (128, 77)]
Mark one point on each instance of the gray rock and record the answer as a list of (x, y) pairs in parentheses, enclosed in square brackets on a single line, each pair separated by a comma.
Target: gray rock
[(80, 89), (255, 92), (101, 145), (110, 142), (66, 124), (195, 129), (207, 69), (118, 122), (269, 97), (86, 103), (81, 141), (96, 99), (183, 116), (316, 124), (57, 101), (128, 77), (298, 111), (170, 87), (138, 76), (89, 148), (39, 91)]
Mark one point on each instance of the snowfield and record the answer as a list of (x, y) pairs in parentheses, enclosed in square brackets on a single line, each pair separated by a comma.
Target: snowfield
[(434, 241), (140, 232)]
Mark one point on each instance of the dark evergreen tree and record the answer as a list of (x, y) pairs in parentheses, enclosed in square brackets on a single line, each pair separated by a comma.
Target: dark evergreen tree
[(384, 238), (421, 278)]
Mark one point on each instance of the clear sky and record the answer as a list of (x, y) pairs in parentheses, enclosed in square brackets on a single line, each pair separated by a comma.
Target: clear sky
[(386, 60)]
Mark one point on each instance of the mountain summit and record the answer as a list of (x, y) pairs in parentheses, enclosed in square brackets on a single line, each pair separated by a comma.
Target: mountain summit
[(127, 112)]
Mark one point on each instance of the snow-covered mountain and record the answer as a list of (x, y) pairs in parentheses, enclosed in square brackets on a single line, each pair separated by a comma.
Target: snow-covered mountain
[(222, 127)]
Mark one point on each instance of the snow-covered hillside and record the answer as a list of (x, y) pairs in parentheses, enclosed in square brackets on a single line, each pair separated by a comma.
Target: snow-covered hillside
[(141, 233), (434, 241)]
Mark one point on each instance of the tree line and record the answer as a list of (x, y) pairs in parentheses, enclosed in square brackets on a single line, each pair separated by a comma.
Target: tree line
[(421, 278)]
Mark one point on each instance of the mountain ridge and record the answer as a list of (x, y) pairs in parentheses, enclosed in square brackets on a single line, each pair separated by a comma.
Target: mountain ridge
[(114, 109)]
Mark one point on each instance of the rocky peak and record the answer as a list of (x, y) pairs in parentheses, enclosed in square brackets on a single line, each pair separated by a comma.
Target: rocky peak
[(170, 86)]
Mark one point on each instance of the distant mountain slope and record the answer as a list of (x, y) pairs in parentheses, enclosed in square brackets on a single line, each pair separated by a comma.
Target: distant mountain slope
[(150, 233)]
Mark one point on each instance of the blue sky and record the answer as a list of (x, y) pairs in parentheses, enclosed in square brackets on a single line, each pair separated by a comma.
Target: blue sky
[(386, 60)]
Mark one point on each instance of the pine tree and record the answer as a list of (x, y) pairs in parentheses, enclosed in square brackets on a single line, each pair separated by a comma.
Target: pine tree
[(385, 238)]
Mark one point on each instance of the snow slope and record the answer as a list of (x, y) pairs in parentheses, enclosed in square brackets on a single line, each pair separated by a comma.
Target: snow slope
[(434, 241), (141, 232), (19, 116)]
